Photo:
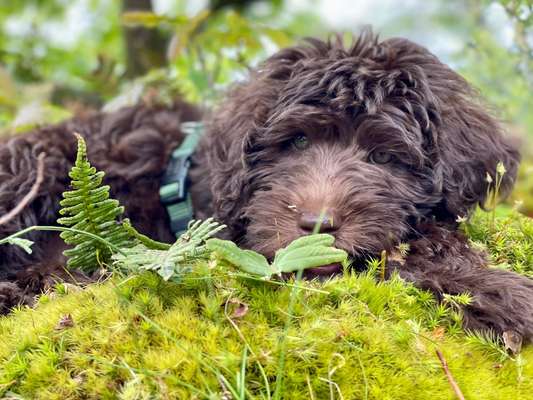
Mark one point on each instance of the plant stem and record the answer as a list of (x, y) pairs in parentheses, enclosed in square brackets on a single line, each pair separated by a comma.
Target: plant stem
[(282, 343), (383, 265), (292, 301), (61, 229), (274, 282)]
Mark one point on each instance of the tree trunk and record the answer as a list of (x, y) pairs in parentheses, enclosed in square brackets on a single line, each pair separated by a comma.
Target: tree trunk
[(145, 47)]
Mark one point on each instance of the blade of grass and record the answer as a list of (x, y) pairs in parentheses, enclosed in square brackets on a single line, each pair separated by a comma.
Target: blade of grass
[(242, 382), (282, 341)]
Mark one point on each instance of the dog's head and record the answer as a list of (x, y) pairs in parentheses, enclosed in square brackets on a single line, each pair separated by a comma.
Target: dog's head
[(380, 136)]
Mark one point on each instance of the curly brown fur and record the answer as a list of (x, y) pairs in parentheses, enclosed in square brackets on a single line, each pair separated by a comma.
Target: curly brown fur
[(393, 141), (131, 145), (12, 295)]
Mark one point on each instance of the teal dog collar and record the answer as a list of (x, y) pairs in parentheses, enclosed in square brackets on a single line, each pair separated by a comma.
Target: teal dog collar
[(174, 185)]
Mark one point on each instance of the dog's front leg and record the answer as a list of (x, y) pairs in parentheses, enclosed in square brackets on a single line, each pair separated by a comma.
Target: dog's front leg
[(444, 263)]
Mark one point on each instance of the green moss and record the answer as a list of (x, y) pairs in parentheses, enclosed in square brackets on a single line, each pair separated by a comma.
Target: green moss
[(140, 337), (508, 241)]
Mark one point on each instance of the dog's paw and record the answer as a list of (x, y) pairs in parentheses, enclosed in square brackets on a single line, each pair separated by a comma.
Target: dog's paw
[(11, 295), (502, 302)]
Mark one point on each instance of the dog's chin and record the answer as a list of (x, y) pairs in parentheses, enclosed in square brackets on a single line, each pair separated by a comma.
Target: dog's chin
[(319, 273), (323, 272)]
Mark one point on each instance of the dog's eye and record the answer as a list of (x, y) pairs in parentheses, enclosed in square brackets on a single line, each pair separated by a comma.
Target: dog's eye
[(380, 157), (300, 142)]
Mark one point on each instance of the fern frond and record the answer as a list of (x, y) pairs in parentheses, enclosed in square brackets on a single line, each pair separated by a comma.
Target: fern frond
[(87, 207), (174, 262), (199, 231), (167, 263)]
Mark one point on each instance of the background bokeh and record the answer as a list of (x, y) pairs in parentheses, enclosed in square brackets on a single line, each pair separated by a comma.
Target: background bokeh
[(61, 57)]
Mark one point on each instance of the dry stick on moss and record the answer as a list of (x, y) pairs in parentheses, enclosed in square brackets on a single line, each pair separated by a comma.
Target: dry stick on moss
[(226, 394), (453, 384), (28, 198), (358, 349)]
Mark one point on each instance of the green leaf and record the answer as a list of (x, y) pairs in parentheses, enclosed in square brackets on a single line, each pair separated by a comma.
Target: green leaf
[(24, 243), (319, 239), (307, 252), (308, 257), (247, 260)]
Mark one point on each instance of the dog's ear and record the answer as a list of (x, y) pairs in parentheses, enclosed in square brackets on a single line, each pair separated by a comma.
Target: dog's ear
[(471, 144), (227, 172), (465, 141), (222, 155)]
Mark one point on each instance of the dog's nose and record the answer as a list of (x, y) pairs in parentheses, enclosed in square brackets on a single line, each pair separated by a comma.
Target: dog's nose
[(323, 222)]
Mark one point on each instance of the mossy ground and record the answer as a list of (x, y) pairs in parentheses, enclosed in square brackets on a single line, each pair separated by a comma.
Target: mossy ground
[(355, 338)]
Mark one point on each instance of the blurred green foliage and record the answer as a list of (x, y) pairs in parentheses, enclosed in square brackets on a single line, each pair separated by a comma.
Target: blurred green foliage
[(504, 75), (59, 52), (73, 54), (40, 39), (76, 51), (208, 50), (45, 52)]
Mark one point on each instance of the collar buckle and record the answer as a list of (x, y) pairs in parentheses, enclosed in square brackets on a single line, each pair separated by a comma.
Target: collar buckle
[(174, 184)]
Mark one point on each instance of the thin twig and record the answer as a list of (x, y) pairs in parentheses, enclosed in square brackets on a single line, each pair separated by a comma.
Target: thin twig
[(28, 198), (453, 384)]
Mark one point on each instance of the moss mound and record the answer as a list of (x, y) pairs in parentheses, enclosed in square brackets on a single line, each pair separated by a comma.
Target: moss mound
[(219, 335)]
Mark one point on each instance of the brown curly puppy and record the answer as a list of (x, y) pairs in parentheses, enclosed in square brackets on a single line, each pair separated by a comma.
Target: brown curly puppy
[(385, 138), (390, 142)]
